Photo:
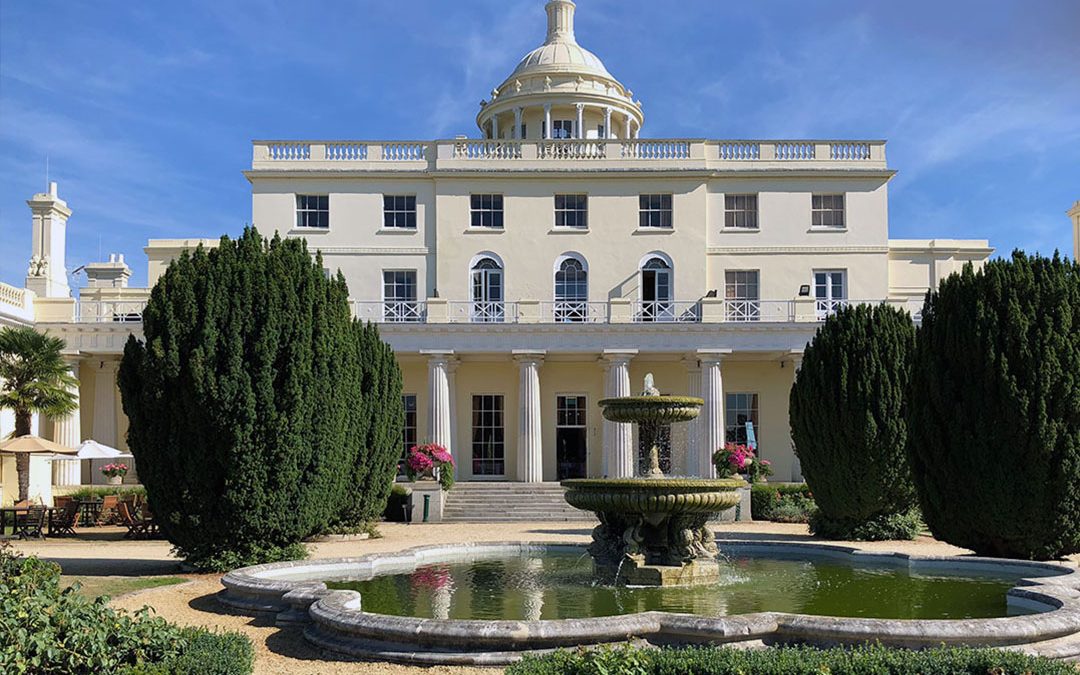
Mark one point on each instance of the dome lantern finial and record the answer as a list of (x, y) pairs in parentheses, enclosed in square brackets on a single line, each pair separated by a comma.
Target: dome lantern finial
[(560, 15)]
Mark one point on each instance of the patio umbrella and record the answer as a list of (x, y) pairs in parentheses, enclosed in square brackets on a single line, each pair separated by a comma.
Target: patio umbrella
[(91, 449), (31, 444)]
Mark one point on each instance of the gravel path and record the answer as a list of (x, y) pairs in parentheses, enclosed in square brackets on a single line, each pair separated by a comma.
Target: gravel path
[(103, 551)]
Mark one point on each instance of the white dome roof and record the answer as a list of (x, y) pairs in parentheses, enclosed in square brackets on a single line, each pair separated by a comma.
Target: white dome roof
[(561, 57)]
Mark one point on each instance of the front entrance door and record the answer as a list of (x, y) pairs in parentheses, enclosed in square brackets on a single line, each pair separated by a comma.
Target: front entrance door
[(571, 443)]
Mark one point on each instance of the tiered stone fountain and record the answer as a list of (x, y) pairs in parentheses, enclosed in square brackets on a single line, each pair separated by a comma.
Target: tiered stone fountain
[(652, 529)]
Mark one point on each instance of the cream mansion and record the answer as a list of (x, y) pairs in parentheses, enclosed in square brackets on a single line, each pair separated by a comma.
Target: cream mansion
[(551, 261)]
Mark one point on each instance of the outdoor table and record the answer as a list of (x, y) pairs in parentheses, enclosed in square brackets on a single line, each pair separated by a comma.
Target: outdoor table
[(90, 510), (16, 510)]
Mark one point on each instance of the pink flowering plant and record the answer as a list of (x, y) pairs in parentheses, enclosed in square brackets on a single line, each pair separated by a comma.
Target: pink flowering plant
[(114, 470), (736, 458), (431, 459)]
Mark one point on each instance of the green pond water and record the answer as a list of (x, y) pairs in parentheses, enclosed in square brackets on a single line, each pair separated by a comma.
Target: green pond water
[(560, 586)]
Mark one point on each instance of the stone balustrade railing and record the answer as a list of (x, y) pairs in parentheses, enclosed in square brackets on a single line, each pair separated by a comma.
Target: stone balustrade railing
[(593, 153), (16, 304), (11, 295)]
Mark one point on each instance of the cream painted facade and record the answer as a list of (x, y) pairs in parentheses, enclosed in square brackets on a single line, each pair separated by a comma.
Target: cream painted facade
[(557, 259)]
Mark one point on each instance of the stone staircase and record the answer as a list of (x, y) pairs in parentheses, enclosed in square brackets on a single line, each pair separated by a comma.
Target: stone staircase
[(480, 502)]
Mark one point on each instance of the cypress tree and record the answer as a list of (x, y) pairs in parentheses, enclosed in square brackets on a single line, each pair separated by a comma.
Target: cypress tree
[(848, 421), (243, 400), (995, 415)]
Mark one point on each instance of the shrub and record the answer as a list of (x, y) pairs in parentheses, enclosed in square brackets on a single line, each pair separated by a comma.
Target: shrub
[(995, 415), (848, 419), (782, 503), (866, 660), (46, 630), (105, 491), (249, 403), (905, 525)]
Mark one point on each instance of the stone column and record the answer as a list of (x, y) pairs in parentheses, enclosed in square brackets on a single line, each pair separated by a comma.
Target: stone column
[(547, 121), (104, 414), (618, 436), (580, 120), (712, 414), (693, 427), (68, 432), (517, 123), (439, 399), (607, 123), (626, 131), (530, 449), (495, 127), (796, 465), (451, 386)]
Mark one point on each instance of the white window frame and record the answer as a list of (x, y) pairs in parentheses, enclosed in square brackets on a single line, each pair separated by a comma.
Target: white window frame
[(731, 420), (406, 428), (472, 437), (742, 306), (579, 215), (402, 310), (497, 215), (403, 212), (646, 212), (829, 213), (828, 303), (307, 210), (741, 208)]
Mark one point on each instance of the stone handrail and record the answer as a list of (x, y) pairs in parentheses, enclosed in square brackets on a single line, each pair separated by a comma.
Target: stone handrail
[(11, 295), (618, 153)]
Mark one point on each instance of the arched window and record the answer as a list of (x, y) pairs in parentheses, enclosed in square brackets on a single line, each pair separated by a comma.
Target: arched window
[(656, 302), (487, 291), (571, 291)]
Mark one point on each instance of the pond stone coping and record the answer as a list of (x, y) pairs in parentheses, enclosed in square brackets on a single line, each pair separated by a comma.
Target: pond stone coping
[(334, 619)]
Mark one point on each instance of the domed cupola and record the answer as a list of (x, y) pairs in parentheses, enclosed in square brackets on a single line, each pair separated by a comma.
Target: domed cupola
[(560, 90)]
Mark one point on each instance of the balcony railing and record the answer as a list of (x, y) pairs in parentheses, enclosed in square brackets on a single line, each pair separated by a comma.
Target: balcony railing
[(104, 311), (675, 153), (667, 311), (573, 311), (390, 311)]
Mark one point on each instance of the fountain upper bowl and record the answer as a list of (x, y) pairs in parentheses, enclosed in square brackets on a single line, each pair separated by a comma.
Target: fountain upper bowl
[(654, 409), (653, 495)]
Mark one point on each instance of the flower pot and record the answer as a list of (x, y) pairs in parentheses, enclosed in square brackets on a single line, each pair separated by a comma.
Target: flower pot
[(115, 480)]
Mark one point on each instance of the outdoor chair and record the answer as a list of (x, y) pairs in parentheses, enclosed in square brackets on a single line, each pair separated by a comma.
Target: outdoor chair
[(137, 528), (31, 523), (65, 521), (108, 513), (62, 502)]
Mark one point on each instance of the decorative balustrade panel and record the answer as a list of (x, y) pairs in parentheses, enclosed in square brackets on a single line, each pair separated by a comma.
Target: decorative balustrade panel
[(482, 312), (403, 152), (572, 149), (573, 311), (289, 151), (826, 308), (656, 150), (849, 151), (795, 150), (759, 310), (390, 311), (346, 151), (667, 311), (10, 295), (487, 150), (105, 311), (739, 150)]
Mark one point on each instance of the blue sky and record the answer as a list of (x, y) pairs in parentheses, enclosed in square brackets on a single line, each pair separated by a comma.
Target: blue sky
[(146, 109)]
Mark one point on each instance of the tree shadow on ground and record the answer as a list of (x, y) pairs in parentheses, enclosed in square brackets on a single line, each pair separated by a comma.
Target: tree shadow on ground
[(729, 536), (208, 604), (569, 531), (114, 567)]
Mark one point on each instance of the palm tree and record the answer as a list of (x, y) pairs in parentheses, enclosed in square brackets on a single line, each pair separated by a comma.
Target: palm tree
[(33, 379)]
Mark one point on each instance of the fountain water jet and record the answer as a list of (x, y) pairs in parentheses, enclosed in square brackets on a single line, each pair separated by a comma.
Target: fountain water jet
[(652, 529)]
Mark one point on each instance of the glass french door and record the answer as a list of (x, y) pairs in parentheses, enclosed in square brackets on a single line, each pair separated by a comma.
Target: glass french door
[(487, 292), (656, 291), (830, 291)]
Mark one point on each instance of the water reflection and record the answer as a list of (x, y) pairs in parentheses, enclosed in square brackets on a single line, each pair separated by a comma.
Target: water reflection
[(561, 586)]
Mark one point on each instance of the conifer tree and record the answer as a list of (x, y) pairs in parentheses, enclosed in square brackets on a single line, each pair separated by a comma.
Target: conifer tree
[(244, 401), (848, 412), (995, 414)]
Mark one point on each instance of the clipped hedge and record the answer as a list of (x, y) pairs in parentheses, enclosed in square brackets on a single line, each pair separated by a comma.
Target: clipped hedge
[(848, 411), (995, 408), (868, 660), (46, 630), (397, 499), (106, 491), (781, 502)]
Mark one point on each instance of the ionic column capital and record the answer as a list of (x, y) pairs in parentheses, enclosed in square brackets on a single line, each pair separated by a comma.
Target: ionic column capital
[(529, 357), (711, 357), (618, 356)]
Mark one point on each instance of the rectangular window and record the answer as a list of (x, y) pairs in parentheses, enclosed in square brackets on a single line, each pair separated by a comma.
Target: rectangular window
[(488, 435), (313, 211), (654, 211), (399, 296), (830, 291), (562, 129), (740, 408), (486, 211), (740, 211), (408, 429), (570, 411), (572, 211), (601, 131), (742, 295), (827, 211), (399, 211), (524, 130)]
